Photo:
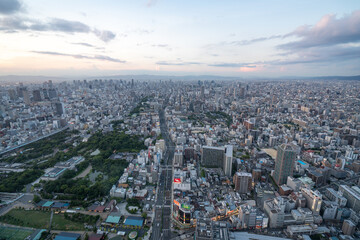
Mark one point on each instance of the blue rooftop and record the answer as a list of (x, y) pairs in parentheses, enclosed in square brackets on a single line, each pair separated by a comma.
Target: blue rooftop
[(113, 219), (67, 236), (48, 204), (301, 162), (134, 221)]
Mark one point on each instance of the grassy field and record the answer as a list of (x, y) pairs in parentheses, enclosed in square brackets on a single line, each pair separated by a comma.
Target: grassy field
[(26, 218), (11, 233)]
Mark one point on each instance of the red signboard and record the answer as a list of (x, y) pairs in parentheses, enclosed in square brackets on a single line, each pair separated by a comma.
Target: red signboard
[(177, 180)]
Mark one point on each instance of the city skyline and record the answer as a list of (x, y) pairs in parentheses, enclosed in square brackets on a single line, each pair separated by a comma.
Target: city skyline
[(244, 39)]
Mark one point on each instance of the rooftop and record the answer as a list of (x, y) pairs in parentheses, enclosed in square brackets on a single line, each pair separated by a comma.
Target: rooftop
[(250, 236), (134, 221)]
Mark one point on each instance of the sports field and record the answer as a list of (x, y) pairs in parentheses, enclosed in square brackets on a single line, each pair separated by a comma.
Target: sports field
[(26, 218), (12, 233)]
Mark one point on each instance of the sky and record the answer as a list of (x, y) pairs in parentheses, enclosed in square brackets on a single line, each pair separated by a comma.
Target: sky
[(244, 38)]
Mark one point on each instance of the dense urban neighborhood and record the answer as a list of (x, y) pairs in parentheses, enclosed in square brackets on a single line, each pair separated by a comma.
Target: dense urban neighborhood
[(117, 159)]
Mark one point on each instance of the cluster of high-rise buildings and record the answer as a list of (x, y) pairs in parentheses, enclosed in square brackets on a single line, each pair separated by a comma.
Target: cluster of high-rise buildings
[(258, 155)]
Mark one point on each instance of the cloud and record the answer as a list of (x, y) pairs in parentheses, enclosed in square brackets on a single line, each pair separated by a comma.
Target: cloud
[(160, 45), (328, 31), (307, 56), (165, 46), (241, 42), (62, 25), (330, 40), (322, 55), (88, 45), (15, 23), (179, 63), (254, 40), (250, 69), (151, 3), (104, 35), (85, 44), (10, 6), (232, 65), (78, 56)]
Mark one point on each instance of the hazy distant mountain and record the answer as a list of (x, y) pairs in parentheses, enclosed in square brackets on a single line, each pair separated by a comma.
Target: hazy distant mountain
[(11, 79), (29, 79), (166, 77), (339, 77)]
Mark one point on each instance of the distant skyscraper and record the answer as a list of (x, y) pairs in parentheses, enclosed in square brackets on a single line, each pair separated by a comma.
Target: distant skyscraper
[(12, 94), (45, 93), (26, 95), (284, 164), (202, 92), (36, 96), (242, 92), (59, 108), (52, 93)]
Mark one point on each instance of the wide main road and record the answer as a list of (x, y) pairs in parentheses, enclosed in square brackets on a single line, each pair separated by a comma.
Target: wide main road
[(162, 220)]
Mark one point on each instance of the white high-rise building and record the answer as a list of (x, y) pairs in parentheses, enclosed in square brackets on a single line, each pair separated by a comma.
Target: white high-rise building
[(228, 160), (313, 199)]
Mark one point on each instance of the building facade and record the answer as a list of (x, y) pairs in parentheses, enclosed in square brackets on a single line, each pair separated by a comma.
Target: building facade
[(284, 164), (242, 182)]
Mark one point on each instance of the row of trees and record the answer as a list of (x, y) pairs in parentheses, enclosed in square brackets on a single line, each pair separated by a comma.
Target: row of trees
[(42, 147), (83, 218), (80, 189), (15, 181)]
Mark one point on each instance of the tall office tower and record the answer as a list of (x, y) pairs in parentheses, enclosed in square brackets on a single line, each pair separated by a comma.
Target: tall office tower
[(242, 92), (228, 157), (12, 94), (178, 159), (52, 93), (36, 96), (202, 92), (212, 156), (59, 108), (219, 157), (26, 96), (242, 181), (284, 164), (45, 93), (19, 92), (179, 156)]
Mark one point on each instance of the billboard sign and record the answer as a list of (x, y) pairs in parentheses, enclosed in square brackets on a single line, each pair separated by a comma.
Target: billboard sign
[(185, 206)]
